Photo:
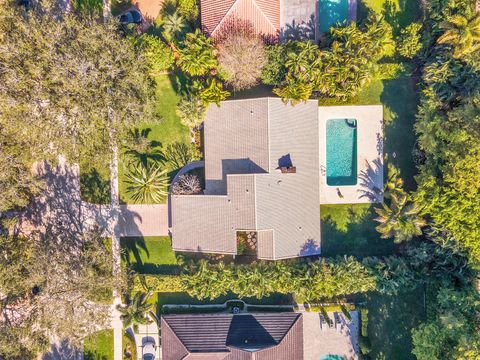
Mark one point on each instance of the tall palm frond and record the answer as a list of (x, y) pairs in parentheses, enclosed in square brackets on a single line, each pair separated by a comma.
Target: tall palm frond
[(136, 312), (462, 34)]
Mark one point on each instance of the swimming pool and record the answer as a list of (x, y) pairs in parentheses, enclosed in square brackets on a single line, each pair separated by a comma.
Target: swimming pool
[(331, 357), (341, 152), (331, 12)]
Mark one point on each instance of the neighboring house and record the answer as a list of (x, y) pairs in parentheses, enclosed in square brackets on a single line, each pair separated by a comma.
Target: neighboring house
[(232, 337), (269, 166), (284, 19)]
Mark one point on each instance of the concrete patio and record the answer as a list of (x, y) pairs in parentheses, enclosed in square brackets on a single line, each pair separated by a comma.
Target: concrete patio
[(329, 341), (369, 186)]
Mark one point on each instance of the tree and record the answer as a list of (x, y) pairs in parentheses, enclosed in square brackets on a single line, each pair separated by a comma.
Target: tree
[(213, 93), (17, 183), (136, 311), (275, 71), (147, 184), (400, 220), (188, 9), (241, 54), (53, 288), (74, 85), (188, 184), (159, 56), (174, 27), (294, 91), (408, 45), (462, 33), (197, 55), (191, 111)]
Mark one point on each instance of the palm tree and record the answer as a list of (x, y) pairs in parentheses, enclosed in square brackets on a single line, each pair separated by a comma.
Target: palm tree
[(174, 27), (294, 90), (213, 93), (462, 33), (394, 184), (400, 220), (197, 57), (136, 312), (147, 184)]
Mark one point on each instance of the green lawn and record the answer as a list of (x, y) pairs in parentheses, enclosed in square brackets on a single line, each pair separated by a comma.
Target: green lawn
[(149, 255), (398, 13), (99, 346), (350, 230), (391, 319), (168, 130)]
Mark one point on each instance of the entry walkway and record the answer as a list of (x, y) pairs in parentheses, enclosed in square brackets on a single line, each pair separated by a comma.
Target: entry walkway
[(60, 210)]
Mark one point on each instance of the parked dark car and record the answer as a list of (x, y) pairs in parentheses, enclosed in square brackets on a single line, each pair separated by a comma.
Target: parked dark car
[(131, 17)]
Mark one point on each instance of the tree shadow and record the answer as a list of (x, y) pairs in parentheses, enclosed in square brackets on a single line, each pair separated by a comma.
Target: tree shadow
[(300, 31), (370, 179), (391, 320), (356, 236), (401, 98), (131, 247), (94, 187)]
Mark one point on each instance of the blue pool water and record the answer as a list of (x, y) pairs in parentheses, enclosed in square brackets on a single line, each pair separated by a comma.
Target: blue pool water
[(331, 357), (332, 12), (341, 152)]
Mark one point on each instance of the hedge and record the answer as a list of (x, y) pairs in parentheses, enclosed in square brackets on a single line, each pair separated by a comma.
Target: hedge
[(157, 283)]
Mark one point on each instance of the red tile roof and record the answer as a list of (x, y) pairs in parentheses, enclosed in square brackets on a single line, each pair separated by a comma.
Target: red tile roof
[(263, 14)]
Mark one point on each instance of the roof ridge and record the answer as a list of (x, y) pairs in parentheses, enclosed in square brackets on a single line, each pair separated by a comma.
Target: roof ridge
[(233, 6), (224, 16), (263, 13)]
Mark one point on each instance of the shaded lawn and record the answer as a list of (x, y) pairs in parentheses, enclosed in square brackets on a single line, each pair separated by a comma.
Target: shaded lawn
[(99, 346), (149, 255), (168, 130), (95, 182), (350, 230), (391, 320)]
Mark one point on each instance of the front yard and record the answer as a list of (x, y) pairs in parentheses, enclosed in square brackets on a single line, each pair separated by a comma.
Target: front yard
[(99, 346)]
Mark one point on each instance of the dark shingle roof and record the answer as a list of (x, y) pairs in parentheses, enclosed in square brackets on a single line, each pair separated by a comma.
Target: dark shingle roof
[(235, 336)]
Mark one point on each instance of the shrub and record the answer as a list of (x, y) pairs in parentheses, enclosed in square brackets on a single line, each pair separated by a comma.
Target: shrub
[(157, 283), (364, 345), (389, 71), (409, 44), (188, 9), (129, 346), (275, 71), (159, 56), (187, 184), (191, 111), (178, 154), (241, 54), (364, 322)]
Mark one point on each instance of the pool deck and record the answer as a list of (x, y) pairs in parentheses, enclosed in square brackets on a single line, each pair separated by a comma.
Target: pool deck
[(369, 187), (329, 341)]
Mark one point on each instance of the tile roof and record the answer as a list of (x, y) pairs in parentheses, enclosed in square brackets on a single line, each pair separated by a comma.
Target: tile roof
[(263, 14), (232, 337), (246, 141)]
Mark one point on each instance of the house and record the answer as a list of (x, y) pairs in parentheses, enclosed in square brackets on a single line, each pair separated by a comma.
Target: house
[(284, 19), (269, 166), (277, 336)]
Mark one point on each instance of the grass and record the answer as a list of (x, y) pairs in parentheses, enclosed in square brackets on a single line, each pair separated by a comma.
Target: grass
[(398, 13), (99, 346), (391, 320), (149, 255), (350, 230), (166, 132)]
